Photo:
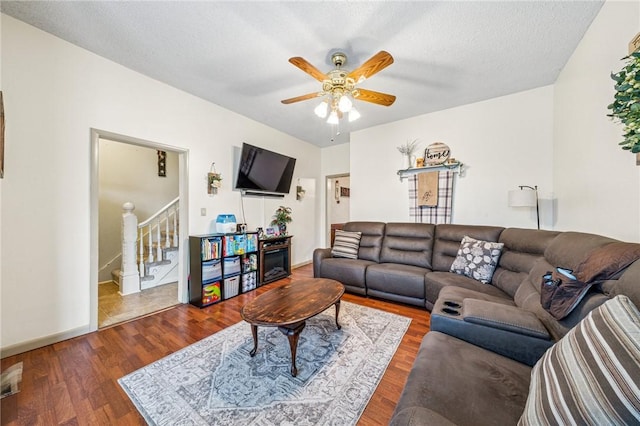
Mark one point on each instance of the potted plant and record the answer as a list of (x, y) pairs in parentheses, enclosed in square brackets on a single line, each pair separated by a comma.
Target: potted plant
[(626, 105), (281, 217)]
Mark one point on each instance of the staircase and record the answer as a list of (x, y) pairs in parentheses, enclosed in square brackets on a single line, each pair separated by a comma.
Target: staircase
[(149, 249)]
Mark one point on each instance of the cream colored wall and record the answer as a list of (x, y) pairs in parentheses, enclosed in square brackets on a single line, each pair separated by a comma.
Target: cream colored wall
[(54, 94), (503, 142), (597, 184)]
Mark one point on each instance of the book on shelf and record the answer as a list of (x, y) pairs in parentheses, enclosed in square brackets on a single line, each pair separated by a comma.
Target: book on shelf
[(210, 248)]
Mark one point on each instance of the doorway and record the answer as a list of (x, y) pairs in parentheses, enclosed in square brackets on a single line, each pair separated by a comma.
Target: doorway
[(337, 204), (145, 191)]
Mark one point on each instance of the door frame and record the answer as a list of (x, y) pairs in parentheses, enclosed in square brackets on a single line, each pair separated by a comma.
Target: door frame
[(183, 215)]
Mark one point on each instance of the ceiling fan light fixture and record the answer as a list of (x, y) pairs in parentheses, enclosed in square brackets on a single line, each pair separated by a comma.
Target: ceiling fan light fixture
[(353, 114), (322, 109), (333, 118), (345, 104)]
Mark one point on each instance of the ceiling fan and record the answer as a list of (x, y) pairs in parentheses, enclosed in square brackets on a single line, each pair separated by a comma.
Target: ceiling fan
[(339, 86)]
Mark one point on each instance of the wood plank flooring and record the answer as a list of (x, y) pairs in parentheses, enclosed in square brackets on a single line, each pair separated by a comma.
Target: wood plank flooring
[(75, 382)]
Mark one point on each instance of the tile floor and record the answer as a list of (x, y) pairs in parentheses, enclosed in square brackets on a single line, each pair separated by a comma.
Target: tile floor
[(113, 308)]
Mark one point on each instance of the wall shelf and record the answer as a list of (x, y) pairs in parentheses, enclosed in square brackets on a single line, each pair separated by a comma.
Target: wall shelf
[(454, 167)]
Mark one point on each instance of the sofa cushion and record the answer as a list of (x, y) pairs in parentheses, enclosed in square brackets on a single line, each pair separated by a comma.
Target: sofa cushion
[(396, 279), (346, 244), (447, 242), (477, 259), (465, 384), (371, 239), (522, 249), (350, 272), (408, 244), (435, 281), (591, 375)]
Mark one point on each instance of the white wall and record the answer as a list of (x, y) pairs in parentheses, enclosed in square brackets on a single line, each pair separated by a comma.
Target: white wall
[(335, 161), (129, 173), (54, 94), (597, 184), (503, 142)]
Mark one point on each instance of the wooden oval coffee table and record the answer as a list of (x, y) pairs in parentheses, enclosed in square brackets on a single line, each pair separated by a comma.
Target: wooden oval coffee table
[(289, 306)]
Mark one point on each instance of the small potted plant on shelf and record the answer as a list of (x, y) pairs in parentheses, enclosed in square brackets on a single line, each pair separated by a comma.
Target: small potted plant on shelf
[(281, 217)]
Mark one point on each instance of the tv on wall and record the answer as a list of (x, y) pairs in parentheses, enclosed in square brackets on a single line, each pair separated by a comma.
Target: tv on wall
[(264, 172)]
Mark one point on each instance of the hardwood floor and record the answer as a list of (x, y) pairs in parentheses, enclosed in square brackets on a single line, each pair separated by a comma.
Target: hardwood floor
[(75, 382)]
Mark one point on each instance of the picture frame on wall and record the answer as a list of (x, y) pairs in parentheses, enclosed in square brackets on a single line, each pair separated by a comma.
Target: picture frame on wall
[(345, 192)]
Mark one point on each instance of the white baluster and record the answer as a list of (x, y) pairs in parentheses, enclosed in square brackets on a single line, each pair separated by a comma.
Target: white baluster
[(129, 279), (175, 225), (141, 253), (167, 238), (150, 236), (158, 241)]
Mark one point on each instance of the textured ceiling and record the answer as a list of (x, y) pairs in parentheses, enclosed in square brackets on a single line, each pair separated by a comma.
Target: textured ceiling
[(235, 54)]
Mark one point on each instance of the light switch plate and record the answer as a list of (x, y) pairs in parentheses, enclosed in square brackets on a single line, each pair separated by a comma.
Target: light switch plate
[(203, 212)]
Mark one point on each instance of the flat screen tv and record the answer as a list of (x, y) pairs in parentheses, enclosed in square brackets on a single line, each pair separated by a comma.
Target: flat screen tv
[(264, 172)]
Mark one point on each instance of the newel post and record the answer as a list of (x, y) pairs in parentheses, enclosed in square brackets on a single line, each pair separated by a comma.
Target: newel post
[(129, 275)]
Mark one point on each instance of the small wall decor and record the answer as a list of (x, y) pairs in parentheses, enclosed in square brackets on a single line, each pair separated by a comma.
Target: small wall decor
[(345, 192), (437, 153), (214, 180), (162, 163), (300, 191)]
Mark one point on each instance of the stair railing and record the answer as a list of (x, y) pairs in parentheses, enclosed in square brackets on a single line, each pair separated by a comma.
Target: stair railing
[(165, 214)]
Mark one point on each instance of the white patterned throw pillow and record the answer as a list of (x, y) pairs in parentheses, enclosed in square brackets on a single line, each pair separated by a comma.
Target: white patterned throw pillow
[(346, 244), (477, 259)]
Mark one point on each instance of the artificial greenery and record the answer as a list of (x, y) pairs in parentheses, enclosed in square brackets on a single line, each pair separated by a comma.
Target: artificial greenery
[(282, 216), (626, 105), (408, 147)]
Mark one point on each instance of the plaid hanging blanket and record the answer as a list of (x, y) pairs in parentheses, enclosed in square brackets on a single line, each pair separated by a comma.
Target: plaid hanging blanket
[(438, 214)]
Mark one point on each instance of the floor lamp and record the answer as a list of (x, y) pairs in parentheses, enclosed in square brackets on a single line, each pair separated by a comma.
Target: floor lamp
[(526, 196)]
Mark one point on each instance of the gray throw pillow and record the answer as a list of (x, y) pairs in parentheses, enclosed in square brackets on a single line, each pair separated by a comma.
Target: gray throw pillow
[(346, 244), (477, 259), (591, 375)]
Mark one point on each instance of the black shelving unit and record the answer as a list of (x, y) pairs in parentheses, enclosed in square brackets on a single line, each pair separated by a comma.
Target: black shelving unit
[(222, 266)]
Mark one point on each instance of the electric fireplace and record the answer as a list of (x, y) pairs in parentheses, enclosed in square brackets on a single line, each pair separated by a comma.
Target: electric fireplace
[(275, 259)]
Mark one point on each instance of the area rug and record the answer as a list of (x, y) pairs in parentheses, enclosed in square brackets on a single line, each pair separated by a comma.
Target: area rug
[(216, 382)]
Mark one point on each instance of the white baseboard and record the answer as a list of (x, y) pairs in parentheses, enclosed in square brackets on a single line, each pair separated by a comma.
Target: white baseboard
[(43, 341), (299, 265)]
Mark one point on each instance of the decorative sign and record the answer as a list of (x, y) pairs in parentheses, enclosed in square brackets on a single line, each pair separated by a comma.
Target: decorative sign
[(437, 153), (634, 44)]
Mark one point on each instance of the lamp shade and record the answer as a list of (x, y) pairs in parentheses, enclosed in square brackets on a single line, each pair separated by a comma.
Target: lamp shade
[(523, 198)]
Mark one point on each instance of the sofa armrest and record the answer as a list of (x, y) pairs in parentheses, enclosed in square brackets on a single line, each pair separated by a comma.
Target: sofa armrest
[(504, 317), (506, 330), (318, 255)]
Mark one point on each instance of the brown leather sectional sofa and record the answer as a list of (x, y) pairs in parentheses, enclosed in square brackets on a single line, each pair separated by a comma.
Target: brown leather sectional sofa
[(474, 365)]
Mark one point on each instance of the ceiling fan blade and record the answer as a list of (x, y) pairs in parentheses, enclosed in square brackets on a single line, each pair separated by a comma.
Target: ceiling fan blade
[(308, 68), (301, 98), (375, 64), (375, 97)]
